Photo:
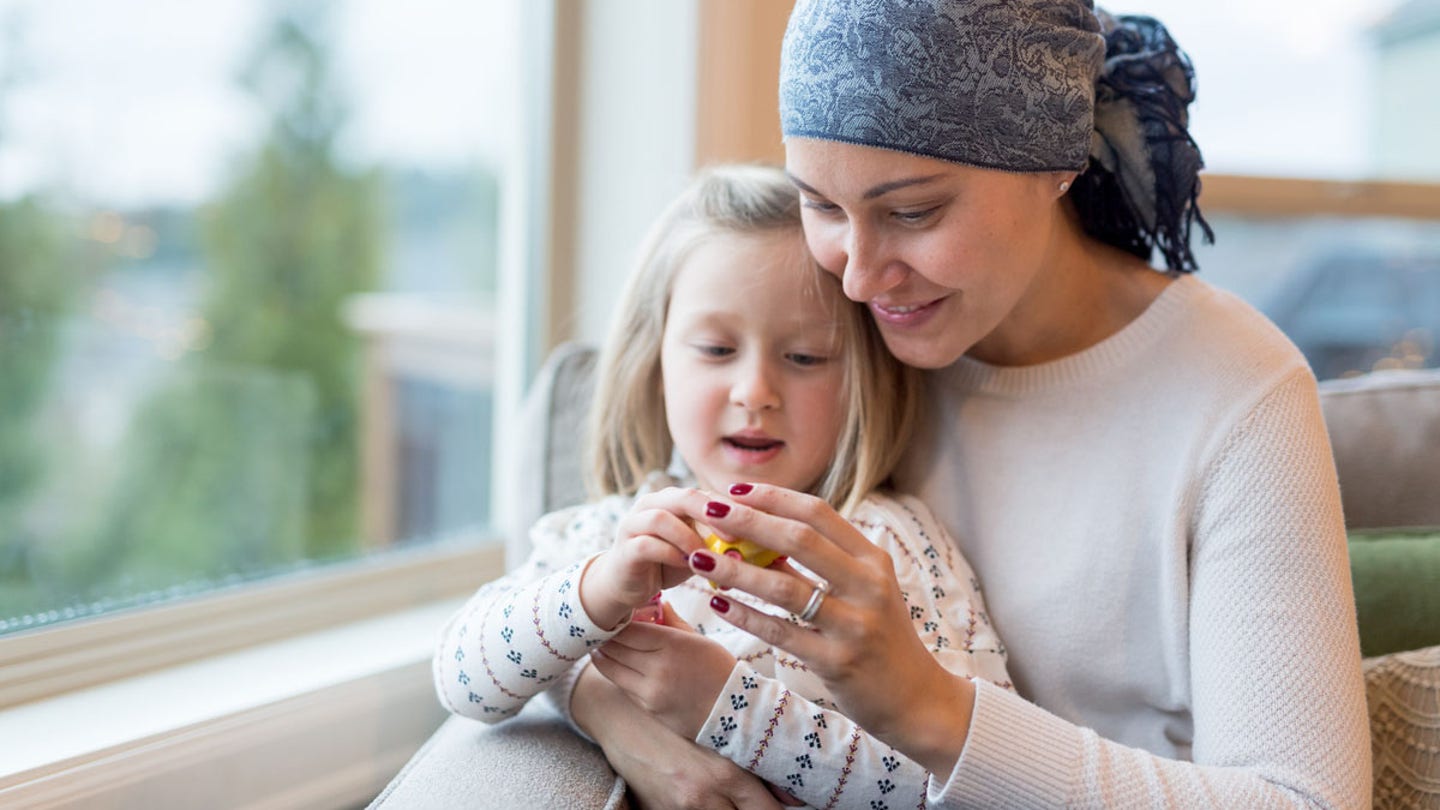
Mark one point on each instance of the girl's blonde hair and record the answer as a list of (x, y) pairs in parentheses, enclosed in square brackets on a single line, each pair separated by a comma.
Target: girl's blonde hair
[(628, 435)]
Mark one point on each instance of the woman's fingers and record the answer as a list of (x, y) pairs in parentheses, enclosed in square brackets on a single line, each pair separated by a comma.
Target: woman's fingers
[(784, 589), (801, 642), (804, 509)]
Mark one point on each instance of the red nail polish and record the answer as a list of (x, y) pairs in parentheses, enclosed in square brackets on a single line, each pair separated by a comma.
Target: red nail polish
[(716, 509), (702, 561), (740, 489), (720, 604)]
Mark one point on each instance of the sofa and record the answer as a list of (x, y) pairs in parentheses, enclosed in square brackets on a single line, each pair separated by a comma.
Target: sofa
[(1385, 431)]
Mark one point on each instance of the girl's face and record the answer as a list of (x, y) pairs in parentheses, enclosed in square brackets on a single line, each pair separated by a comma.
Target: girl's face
[(946, 256), (750, 363)]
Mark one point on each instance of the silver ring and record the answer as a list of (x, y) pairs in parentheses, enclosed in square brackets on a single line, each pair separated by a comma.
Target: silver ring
[(817, 596)]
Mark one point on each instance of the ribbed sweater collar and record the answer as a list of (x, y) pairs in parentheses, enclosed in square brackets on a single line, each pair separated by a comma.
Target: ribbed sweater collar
[(1085, 366)]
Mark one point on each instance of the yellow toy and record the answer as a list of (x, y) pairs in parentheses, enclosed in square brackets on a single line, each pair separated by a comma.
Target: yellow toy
[(753, 553)]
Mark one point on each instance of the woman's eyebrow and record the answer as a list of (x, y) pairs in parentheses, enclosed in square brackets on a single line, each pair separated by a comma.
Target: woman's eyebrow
[(876, 191)]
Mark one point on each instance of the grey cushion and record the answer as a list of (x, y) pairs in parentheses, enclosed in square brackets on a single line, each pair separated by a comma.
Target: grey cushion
[(531, 760), (1385, 431), (547, 468)]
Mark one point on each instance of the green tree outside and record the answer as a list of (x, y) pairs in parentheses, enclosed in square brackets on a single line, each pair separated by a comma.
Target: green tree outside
[(247, 458)]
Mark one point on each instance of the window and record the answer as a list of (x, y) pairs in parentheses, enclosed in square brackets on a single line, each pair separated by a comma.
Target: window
[(249, 265), (1335, 91)]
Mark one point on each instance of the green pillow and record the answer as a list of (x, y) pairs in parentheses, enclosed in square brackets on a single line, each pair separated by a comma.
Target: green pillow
[(1397, 588)]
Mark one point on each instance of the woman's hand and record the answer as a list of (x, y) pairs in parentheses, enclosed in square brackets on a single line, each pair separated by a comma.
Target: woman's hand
[(860, 642), (662, 770), (651, 544), (670, 670)]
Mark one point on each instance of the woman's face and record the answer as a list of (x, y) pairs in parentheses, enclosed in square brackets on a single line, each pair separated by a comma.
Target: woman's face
[(946, 256)]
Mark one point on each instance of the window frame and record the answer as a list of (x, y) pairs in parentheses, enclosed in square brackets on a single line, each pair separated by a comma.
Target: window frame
[(50, 661)]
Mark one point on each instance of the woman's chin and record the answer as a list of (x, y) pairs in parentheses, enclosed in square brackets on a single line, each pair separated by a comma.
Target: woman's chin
[(919, 352)]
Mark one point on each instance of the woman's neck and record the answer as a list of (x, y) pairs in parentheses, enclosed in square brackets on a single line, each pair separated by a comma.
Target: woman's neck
[(1084, 292)]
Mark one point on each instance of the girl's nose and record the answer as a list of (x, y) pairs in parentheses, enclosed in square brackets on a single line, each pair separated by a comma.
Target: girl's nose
[(753, 389)]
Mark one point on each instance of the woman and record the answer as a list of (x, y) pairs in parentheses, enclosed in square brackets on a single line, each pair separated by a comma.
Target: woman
[(1134, 462)]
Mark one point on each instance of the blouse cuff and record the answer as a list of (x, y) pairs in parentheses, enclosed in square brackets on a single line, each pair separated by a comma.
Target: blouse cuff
[(1016, 755), (559, 696)]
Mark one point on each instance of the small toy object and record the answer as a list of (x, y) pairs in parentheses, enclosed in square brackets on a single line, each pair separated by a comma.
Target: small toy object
[(753, 553), (652, 612)]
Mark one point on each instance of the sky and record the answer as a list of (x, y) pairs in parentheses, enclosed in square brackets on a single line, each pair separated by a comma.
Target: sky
[(133, 101), (1284, 86)]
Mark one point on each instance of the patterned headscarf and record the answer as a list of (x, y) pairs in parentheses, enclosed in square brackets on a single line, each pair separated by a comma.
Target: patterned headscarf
[(1014, 85)]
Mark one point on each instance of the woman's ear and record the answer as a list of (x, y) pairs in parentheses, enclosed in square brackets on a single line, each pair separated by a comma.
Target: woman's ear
[(1062, 181)]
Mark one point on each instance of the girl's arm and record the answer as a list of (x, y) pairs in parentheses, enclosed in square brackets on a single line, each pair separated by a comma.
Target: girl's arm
[(818, 754), (805, 746), (591, 565), (520, 633), (662, 770)]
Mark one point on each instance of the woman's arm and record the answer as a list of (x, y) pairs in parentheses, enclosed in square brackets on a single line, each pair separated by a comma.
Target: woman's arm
[(1278, 700)]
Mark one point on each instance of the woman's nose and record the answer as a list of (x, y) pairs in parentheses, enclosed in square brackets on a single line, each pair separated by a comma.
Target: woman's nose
[(753, 389), (868, 272)]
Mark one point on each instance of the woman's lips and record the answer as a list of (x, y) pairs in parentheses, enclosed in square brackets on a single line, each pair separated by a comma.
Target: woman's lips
[(905, 315)]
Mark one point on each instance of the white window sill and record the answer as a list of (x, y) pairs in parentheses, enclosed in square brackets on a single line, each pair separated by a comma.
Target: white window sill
[(312, 721)]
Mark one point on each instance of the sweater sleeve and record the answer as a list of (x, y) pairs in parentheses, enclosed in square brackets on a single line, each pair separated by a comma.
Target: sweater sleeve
[(525, 632), (1278, 695)]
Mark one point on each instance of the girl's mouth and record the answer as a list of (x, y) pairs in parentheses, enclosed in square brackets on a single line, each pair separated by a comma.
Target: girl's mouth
[(752, 449)]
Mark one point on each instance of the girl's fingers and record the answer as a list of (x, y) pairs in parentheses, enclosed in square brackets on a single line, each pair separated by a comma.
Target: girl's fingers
[(673, 619), (660, 522), (654, 549), (629, 680)]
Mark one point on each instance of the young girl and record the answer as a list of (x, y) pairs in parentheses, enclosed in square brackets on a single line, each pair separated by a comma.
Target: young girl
[(735, 359)]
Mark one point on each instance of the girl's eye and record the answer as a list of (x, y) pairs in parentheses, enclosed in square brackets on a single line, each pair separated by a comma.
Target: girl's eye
[(715, 351), (801, 359)]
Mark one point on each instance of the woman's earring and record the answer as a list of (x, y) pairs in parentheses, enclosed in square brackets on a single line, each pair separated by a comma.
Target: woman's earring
[(1064, 186)]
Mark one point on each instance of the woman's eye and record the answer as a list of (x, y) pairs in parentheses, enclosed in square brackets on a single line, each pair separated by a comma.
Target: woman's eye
[(820, 206), (915, 217)]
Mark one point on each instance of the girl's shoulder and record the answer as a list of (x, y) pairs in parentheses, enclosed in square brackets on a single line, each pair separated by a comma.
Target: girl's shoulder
[(886, 509), (594, 521)]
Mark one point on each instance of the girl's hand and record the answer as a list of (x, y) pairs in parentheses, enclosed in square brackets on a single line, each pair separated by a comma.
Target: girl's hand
[(670, 670), (860, 643), (651, 544), (662, 770)]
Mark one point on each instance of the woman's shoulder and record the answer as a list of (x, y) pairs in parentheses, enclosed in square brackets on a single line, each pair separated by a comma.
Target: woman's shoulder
[(1220, 324)]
